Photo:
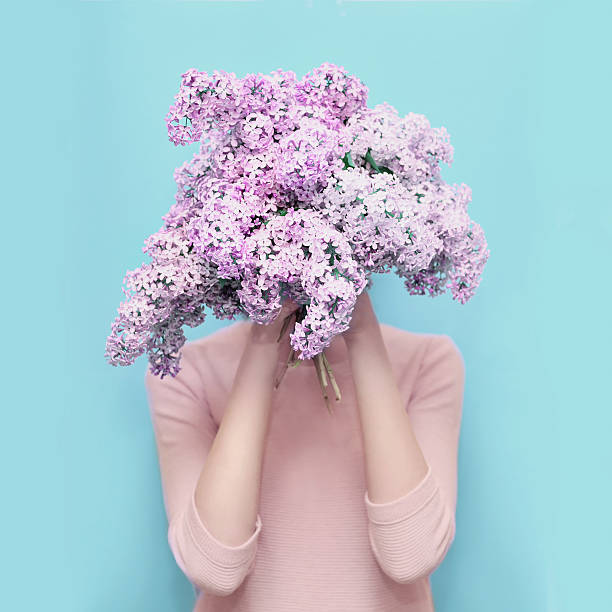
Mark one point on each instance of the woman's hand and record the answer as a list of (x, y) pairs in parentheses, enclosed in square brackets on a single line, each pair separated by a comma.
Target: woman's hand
[(266, 340), (268, 334), (363, 320)]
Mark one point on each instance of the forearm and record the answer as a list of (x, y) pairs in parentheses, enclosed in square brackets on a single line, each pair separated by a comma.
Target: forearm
[(393, 459), (227, 492)]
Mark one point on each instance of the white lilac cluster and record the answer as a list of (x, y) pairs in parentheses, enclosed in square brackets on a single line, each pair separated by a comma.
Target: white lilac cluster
[(299, 191)]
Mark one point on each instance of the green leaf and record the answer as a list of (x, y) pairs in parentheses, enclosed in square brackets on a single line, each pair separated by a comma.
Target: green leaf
[(348, 161)]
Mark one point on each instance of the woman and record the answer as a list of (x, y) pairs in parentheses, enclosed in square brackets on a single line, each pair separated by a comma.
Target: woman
[(274, 504)]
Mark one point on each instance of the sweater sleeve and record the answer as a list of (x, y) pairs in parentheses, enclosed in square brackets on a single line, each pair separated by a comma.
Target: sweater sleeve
[(411, 535), (184, 431)]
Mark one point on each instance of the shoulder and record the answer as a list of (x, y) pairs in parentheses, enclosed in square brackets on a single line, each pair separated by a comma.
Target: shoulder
[(423, 350), (216, 356), (196, 357), (443, 349), (225, 345)]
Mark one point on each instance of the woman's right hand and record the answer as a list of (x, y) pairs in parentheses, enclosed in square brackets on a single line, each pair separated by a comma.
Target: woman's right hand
[(268, 334), (228, 488)]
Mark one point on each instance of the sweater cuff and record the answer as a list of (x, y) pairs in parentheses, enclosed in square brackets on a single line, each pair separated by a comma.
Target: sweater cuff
[(405, 506), (228, 556)]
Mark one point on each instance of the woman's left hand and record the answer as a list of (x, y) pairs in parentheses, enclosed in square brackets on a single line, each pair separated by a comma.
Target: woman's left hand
[(363, 319)]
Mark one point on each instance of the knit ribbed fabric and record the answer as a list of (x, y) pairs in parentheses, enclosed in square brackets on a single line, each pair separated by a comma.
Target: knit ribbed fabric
[(319, 543)]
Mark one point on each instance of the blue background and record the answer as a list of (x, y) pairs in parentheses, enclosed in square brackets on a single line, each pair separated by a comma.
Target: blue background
[(523, 89)]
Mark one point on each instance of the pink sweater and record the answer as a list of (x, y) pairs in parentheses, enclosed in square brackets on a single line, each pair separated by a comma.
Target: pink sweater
[(319, 543)]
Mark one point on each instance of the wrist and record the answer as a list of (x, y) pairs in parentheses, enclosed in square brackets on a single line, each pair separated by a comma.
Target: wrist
[(264, 334), (356, 338), (261, 355)]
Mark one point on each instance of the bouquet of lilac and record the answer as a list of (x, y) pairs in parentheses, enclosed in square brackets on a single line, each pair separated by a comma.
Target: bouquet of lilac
[(299, 191)]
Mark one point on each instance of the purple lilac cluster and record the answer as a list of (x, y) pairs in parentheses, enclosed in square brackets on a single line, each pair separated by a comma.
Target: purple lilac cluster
[(299, 191)]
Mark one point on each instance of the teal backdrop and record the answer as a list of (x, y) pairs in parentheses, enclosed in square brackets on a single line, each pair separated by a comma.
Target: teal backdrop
[(523, 89)]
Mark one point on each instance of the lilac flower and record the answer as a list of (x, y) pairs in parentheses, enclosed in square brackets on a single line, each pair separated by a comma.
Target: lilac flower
[(298, 191), (307, 157), (331, 88)]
